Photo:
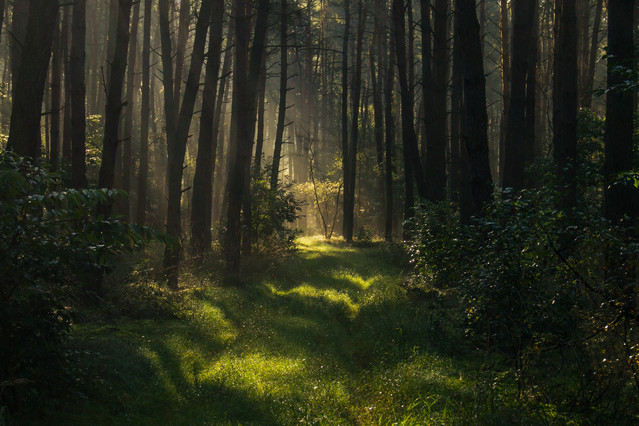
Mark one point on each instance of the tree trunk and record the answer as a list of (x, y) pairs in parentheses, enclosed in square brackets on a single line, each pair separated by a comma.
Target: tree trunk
[(515, 146), (131, 90), (66, 119), (259, 145), (347, 222), (281, 114), (592, 57), (114, 102), (178, 130), (620, 200), (436, 145), (180, 51), (389, 125), (412, 160), (56, 99), (565, 102), (207, 141), (78, 95), (245, 76), (143, 171), (475, 113), (19, 24), (504, 23), (30, 80)]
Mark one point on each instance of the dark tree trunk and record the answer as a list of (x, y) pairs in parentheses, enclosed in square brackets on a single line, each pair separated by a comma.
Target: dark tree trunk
[(347, 223), (475, 114), (178, 130), (504, 23), (56, 99), (180, 51), (143, 171), (515, 141), (531, 90), (19, 24), (78, 95), (389, 125), (114, 102), (281, 113), (207, 141), (436, 145), (131, 89), (565, 102), (245, 76), (30, 81), (619, 199), (592, 57), (259, 144), (66, 119), (412, 160)]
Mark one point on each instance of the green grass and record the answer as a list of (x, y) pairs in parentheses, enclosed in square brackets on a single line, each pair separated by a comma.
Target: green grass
[(328, 336)]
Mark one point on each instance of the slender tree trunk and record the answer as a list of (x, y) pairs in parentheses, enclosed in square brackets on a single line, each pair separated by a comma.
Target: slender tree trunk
[(475, 112), (281, 114), (207, 141), (592, 57), (114, 102), (515, 142), (19, 24), (565, 102), (389, 125), (66, 118), (428, 98), (436, 146), (620, 200), (131, 90), (504, 23), (30, 80), (143, 172), (531, 90), (347, 222), (259, 145), (180, 51), (178, 130), (78, 95), (56, 99), (412, 160)]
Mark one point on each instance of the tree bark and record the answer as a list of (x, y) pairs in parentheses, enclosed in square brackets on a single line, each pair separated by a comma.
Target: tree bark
[(207, 141), (56, 99), (78, 95), (389, 126), (30, 80), (281, 114), (19, 22), (592, 57), (143, 171), (347, 220), (565, 103), (114, 102), (475, 114), (620, 200), (504, 23)]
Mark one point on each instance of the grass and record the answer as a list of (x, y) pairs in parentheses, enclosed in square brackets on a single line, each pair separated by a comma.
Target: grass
[(328, 336)]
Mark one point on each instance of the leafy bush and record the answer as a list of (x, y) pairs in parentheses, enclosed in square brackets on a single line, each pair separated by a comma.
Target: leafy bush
[(272, 212), (52, 248)]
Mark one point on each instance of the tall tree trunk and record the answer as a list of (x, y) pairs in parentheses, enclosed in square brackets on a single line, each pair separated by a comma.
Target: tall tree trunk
[(56, 99), (504, 23), (620, 200), (259, 145), (565, 102), (436, 146), (592, 57), (30, 81), (428, 98), (245, 76), (114, 102), (207, 141), (475, 112), (347, 222), (178, 130), (389, 125), (531, 90), (131, 90), (515, 146), (281, 112), (143, 171), (78, 95), (19, 24), (412, 162), (66, 118)]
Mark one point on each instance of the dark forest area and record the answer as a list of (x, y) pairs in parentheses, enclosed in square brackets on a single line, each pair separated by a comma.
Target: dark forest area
[(319, 211)]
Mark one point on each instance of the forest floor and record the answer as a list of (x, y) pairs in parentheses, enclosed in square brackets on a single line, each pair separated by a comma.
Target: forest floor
[(329, 335)]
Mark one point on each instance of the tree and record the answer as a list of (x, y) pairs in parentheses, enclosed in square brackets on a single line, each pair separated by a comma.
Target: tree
[(565, 102), (281, 110), (620, 198), (474, 114), (78, 95), (24, 131)]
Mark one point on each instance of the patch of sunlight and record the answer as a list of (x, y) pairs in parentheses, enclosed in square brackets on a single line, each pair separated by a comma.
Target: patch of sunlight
[(354, 279), (161, 375), (257, 373), (215, 322), (318, 244), (331, 296)]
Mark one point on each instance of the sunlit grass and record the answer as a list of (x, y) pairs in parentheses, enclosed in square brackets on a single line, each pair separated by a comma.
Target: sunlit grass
[(328, 336)]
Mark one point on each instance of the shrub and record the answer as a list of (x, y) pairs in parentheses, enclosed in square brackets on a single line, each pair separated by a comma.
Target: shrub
[(51, 247)]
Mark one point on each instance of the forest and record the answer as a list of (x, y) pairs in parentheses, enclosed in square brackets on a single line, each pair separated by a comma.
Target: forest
[(319, 211)]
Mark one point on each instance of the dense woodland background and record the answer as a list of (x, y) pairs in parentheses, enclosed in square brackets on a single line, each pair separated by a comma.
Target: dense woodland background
[(494, 138)]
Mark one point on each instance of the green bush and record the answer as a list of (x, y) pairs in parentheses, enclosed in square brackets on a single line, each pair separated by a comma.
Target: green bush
[(52, 248)]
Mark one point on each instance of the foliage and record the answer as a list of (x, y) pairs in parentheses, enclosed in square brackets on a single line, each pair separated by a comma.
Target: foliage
[(52, 249), (272, 212)]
